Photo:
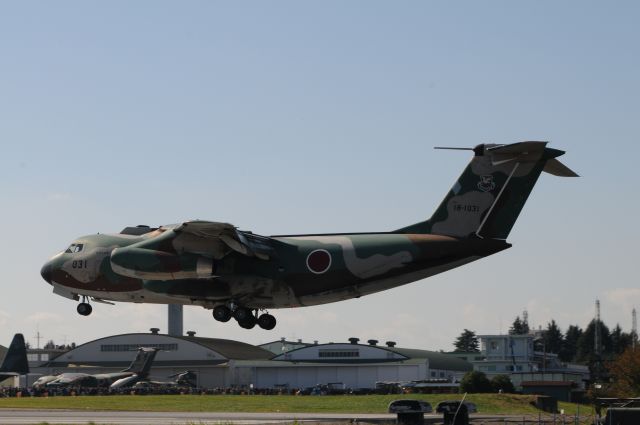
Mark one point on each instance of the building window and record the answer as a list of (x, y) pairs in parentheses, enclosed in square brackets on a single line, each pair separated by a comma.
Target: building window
[(433, 373), (338, 353), (442, 374), (44, 357), (32, 357), (134, 347)]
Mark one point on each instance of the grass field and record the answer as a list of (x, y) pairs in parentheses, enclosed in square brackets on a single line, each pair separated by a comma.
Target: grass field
[(487, 403)]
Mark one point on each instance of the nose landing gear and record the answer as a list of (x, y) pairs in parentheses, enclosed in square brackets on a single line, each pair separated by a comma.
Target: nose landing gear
[(84, 308), (245, 317)]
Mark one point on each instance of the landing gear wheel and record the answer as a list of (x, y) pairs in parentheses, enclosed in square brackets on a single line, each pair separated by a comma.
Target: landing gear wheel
[(267, 321), (84, 309), (241, 314), (222, 313), (248, 323)]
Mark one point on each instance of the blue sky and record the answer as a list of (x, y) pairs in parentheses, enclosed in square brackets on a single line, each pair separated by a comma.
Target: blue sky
[(297, 117)]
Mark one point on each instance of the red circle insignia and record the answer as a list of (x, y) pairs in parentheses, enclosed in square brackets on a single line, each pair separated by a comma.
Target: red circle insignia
[(319, 261)]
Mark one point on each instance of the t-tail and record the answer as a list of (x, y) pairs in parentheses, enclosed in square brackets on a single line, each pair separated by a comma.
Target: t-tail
[(141, 365), (15, 361), (489, 195)]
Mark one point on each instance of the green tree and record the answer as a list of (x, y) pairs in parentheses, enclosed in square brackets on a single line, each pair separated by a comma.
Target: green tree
[(553, 338), (467, 341), (475, 382), (620, 341), (502, 382), (570, 344), (586, 352), (519, 327)]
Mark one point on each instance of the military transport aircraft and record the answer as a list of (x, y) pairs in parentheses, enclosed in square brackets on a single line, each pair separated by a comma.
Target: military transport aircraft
[(137, 370), (240, 274), (15, 360)]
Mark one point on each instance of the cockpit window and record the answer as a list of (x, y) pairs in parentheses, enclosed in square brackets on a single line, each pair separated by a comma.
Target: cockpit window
[(74, 247)]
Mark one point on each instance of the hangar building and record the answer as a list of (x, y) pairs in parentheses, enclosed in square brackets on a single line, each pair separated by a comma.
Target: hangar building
[(226, 363)]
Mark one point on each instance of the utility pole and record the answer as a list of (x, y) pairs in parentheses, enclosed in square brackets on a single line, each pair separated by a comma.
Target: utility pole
[(38, 338)]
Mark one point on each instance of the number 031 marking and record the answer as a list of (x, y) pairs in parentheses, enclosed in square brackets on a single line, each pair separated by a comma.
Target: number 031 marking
[(79, 264)]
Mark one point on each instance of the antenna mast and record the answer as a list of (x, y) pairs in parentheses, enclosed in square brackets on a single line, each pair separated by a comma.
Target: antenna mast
[(634, 329), (597, 336)]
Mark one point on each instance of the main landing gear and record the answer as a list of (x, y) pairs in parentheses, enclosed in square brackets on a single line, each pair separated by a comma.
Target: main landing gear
[(84, 308), (246, 317)]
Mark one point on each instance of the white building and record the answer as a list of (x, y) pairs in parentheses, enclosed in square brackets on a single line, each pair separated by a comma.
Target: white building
[(226, 363), (514, 355), (504, 354)]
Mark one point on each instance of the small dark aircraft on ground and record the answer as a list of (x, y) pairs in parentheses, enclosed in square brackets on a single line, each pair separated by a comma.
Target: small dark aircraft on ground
[(15, 360), (239, 274), (137, 370), (188, 378)]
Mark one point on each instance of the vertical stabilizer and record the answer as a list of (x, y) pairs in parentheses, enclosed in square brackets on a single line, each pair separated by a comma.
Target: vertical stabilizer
[(141, 365), (16, 358), (489, 195)]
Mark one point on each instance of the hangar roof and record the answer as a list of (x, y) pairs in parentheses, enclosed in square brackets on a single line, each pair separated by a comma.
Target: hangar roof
[(230, 349), (361, 353), (437, 360), (118, 350)]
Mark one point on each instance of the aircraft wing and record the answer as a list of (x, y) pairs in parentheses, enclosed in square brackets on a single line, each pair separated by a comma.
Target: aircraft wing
[(245, 243), (187, 251), (7, 375)]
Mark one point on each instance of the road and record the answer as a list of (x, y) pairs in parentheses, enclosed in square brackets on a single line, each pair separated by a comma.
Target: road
[(84, 417), (68, 417)]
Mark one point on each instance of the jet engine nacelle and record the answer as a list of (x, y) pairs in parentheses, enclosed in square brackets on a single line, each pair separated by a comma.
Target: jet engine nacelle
[(141, 263), (125, 382)]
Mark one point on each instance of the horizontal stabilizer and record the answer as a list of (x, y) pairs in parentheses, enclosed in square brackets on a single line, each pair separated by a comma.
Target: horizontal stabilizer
[(557, 168)]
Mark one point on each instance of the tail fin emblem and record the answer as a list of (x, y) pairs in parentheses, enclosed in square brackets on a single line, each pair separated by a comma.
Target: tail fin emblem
[(486, 183)]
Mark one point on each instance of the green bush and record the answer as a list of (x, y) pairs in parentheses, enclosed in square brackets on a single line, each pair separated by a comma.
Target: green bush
[(502, 382), (475, 382)]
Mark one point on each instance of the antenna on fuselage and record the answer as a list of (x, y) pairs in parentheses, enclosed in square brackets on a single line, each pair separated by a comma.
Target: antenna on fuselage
[(453, 149)]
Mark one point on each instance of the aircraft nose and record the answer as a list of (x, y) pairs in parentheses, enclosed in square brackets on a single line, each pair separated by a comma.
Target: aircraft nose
[(46, 272)]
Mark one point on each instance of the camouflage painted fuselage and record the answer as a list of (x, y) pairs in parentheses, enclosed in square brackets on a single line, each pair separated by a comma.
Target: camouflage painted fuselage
[(303, 270)]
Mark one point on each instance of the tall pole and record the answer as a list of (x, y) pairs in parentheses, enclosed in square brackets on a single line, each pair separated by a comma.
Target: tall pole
[(174, 319), (634, 329), (597, 336)]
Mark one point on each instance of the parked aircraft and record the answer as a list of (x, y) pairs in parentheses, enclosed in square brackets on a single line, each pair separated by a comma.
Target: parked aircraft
[(187, 378), (240, 274), (15, 360), (137, 370)]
